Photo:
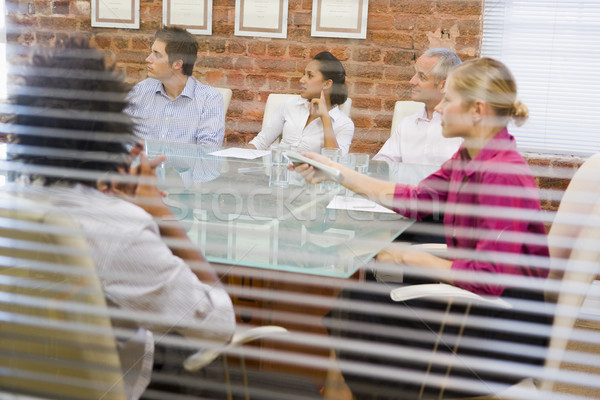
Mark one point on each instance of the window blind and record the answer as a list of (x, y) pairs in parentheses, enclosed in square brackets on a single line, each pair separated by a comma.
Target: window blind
[(2, 52), (552, 49)]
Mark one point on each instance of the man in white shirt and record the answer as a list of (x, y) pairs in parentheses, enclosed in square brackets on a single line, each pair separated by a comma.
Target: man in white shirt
[(170, 104), (418, 138), (148, 267)]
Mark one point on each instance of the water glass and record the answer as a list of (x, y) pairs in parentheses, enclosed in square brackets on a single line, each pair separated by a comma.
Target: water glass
[(362, 162), (348, 161), (334, 155), (279, 171)]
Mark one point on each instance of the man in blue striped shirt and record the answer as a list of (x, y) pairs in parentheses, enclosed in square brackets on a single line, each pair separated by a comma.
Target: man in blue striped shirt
[(170, 104)]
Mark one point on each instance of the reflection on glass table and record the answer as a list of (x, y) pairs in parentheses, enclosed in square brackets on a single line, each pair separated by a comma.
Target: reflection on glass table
[(237, 218)]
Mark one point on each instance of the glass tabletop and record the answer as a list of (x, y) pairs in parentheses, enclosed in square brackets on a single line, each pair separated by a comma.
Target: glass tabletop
[(235, 217)]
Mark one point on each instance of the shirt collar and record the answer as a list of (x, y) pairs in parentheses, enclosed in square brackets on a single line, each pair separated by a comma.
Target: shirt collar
[(188, 90), (500, 143), (334, 113), (423, 116)]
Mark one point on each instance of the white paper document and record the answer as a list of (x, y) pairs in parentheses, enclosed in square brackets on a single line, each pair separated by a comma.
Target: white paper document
[(236, 152), (356, 204)]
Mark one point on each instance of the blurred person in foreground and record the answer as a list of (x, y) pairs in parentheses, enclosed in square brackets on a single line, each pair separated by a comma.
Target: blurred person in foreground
[(171, 105), (497, 247), (73, 140)]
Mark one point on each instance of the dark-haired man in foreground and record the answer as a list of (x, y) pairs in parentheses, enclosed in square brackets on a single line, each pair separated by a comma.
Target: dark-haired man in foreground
[(171, 105), (72, 139)]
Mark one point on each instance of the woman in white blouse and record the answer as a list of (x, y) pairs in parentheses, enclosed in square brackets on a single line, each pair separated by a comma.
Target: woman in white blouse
[(313, 120)]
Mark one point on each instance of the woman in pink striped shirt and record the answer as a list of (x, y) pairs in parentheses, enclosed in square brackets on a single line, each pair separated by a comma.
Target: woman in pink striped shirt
[(496, 246)]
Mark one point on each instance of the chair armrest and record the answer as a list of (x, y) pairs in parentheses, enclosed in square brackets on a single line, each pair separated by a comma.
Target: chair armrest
[(442, 290), (202, 358)]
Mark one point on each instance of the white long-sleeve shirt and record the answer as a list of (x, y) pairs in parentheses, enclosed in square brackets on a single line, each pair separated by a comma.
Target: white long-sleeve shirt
[(137, 270), (419, 140), (289, 121)]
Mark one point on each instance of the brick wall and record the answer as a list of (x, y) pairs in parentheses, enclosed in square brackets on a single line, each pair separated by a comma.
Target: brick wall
[(378, 68)]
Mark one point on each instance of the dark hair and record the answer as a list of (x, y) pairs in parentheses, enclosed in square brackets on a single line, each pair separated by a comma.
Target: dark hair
[(69, 115), (332, 68), (180, 45)]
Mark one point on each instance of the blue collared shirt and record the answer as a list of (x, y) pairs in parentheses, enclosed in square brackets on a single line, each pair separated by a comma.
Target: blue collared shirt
[(197, 115)]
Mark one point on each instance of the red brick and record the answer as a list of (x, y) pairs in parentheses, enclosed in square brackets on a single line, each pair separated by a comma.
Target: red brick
[(256, 81), (342, 53), (380, 22), (385, 89), (363, 87), (276, 64), (40, 7), (413, 6), (363, 54), (67, 24), (138, 43), (401, 40), (303, 18), (123, 43), (60, 7), (217, 46), (214, 77), (243, 94), (460, 7), (257, 48), (131, 56), (244, 63), (296, 51), (361, 120), (276, 49), (379, 6), (81, 8), (364, 71), (383, 121), (366, 102), (278, 83), (398, 73), (236, 47), (405, 22), (236, 79), (44, 38), (400, 57), (102, 41)]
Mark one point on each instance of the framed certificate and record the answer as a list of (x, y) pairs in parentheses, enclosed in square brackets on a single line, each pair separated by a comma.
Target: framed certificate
[(193, 15), (116, 13), (340, 18), (264, 18)]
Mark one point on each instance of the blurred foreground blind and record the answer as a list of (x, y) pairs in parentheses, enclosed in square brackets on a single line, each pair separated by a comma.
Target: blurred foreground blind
[(549, 46)]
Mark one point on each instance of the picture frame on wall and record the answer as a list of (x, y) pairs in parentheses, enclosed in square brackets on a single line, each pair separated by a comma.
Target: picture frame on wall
[(194, 16), (340, 18), (261, 18), (116, 13)]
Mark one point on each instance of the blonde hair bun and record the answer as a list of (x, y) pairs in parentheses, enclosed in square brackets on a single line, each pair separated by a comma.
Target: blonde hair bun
[(520, 113)]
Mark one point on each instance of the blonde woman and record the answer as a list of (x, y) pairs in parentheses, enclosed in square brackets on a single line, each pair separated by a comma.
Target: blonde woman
[(495, 238)]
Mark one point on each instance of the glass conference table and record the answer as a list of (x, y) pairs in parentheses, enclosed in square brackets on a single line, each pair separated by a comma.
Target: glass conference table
[(235, 217)]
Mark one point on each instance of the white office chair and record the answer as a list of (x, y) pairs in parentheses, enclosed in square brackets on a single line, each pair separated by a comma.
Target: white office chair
[(57, 337), (575, 259), (275, 99), (403, 109), (226, 93)]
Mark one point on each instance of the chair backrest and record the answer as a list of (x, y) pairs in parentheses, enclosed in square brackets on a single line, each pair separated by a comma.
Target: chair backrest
[(403, 109), (226, 93), (273, 102), (347, 106), (575, 254), (57, 340), (275, 99)]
